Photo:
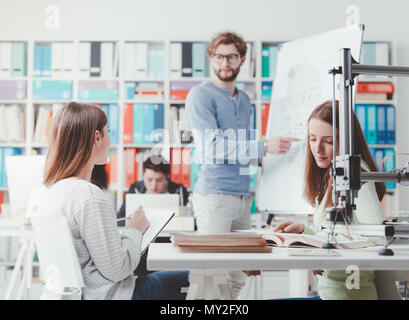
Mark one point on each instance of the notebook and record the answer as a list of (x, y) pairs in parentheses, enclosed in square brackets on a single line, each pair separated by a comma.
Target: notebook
[(158, 219)]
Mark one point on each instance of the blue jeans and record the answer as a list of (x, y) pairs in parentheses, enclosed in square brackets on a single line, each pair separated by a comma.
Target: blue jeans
[(161, 285)]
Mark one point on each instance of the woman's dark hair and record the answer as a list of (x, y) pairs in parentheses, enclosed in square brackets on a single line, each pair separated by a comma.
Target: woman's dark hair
[(71, 140), (317, 180), (99, 176)]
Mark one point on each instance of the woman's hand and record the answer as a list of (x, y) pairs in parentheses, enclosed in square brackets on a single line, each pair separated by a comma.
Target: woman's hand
[(138, 220), (289, 227)]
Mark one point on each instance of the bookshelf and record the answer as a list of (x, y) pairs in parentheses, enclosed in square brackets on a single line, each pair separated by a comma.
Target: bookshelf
[(123, 76)]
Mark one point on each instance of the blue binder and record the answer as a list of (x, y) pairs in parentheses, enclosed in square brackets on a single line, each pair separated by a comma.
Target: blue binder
[(46, 71), (390, 124), (198, 59), (194, 167), (389, 164), (369, 53), (18, 56), (371, 125), (360, 111), (266, 89), (113, 122), (378, 159), (149, 122), (38, 61), (252, 125), (373, 150), (105, 108), (138, 123), (130, 90), (381, 114), (158, 118), (7, 151), (273, 60)]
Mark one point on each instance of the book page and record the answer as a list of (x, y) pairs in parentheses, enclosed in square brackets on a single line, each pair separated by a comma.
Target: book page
[(158, 219)]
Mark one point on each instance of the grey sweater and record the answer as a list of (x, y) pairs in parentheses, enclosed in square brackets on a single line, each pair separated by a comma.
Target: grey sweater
[(107, 258)]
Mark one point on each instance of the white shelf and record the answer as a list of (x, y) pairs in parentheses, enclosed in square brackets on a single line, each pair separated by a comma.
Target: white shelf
[(12, 101), (153, 100), (382, 146), (49, 101), (12, 144), (374, 101)]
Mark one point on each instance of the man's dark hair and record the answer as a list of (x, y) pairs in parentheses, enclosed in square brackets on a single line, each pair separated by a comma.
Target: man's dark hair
[(158, 164)]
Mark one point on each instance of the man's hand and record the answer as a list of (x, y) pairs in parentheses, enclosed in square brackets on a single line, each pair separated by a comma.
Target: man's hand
[(279, 145)]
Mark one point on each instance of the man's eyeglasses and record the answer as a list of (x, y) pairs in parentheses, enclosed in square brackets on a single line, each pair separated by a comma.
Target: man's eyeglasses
[(231, 58)]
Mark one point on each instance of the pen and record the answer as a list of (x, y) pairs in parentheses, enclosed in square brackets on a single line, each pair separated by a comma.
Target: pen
[(122, 219)]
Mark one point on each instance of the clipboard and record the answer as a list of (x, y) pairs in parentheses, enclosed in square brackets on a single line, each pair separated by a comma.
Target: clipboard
[(158, 219)]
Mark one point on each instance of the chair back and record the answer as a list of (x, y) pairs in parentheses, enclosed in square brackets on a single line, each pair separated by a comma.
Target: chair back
[(57, 255)]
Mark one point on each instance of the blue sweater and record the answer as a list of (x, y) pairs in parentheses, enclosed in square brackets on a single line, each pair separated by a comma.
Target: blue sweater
[(221, 131)]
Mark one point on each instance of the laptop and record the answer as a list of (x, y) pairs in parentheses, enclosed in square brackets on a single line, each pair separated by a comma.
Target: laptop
[(24, 174), (162, 201)]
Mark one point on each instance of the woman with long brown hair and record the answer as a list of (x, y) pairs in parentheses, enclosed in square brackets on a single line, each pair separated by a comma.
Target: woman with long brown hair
[(79, 140), (318, 190)]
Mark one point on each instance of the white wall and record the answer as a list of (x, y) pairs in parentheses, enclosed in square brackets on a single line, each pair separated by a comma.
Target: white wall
[(200, 19)]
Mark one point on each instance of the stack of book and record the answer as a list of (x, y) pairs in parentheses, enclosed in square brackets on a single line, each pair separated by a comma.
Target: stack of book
[(140, 90), (242, 242)]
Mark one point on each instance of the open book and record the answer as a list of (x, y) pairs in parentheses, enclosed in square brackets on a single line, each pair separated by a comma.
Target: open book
[(244, 242), (280, 239)]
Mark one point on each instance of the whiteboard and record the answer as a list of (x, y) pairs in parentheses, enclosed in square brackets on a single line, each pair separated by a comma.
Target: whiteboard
[(302, 82)]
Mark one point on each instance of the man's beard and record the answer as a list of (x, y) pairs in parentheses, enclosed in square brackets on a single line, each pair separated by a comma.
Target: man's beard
[(232, 77)]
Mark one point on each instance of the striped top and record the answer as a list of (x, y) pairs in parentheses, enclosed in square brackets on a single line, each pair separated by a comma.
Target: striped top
[(107, 258)]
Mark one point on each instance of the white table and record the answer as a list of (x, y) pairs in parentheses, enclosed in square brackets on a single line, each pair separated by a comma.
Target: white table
[(166, 256)]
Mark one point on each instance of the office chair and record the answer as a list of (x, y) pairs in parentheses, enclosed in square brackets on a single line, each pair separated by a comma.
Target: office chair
[(58, 258)]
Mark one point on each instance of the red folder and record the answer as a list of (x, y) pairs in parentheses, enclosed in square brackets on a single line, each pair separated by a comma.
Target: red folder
[(185, 167), (1, 200), (128, 123), (175, 165), (265, 108)]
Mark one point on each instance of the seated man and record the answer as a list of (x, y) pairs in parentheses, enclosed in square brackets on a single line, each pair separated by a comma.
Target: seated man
[(155, 180)]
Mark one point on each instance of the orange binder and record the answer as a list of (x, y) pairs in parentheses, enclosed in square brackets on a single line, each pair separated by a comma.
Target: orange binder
[(1, 200), (128, 123), (48, 122), (113, 167), (265, 108), (130, 156), (185, 167), (107, 170), (175, 165)]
